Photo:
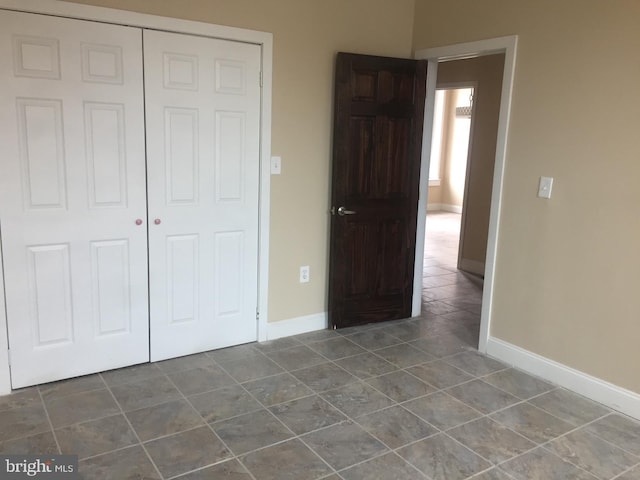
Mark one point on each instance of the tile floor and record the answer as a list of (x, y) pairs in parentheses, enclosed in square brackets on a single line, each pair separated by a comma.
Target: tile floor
[(401, 400)]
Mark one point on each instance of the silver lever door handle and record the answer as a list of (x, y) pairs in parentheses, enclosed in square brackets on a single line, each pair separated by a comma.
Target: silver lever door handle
[(343, 211)]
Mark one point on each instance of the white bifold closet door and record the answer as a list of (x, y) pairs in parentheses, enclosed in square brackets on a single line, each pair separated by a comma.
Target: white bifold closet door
[(202, 101), (72, 186)]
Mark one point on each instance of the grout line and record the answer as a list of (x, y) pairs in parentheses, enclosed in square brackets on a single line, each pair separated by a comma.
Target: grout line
[(46, 412), (144, 449)]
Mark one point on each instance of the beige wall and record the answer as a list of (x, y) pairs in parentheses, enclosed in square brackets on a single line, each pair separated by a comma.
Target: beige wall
[(307, 34), (568, 268), (486, 74)]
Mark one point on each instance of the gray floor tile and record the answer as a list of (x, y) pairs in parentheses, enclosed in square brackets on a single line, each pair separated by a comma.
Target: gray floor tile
[(438, 307), (277, 389), (296, 358), (290, 460), (493, 474), (95, 437), (475, 363), (619, 430), (491, 440), (531, 422), (440, 345), (20, 398), (132, 374), (343, 445), (518, 383), (38, 444), (407, 330), (373, 339), (633, 474), (386, 467), (357, 399), (467, 335), (229, 470), (324, 377), (482, 396), (365, 365), (187, 362), (442, 410), (224, 403), (439, 374), (441, 458), (317, 336), (434, 271), (569, 406), (186, 451), (403, 355), (336, 348), (540, 464), (80, 407), (71, 386), (252, 368), (278, 344), (145, 393), (164, 419), (200, 380), (232, 354), (251, 431), (592, 454), (468, 310), (307, 414), (23, 421), (127, 464), (396, 427), (369, 327), (400, 386)]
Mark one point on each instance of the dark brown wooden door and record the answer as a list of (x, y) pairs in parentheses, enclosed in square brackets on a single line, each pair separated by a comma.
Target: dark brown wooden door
[(377, 139)]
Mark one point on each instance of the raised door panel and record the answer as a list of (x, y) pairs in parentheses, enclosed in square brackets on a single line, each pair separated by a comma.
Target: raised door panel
[(72, 185), (203, 114)]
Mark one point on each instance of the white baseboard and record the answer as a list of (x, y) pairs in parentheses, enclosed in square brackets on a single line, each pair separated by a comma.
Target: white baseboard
[(615, 397), (295, 326), (434, 207), (472, 266)]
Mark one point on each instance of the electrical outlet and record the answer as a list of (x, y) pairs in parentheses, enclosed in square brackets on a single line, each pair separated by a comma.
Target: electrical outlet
[(304, 274)]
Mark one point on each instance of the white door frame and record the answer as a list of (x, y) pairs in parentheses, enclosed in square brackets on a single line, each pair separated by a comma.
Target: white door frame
[(508, 46), (121, 17)]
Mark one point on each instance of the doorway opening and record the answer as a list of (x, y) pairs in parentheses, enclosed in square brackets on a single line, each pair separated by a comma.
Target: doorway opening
[(438, 58), (448, 294)]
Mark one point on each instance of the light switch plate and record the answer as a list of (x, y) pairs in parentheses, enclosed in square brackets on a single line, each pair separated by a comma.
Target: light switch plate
[(545, 186), (276, 165)]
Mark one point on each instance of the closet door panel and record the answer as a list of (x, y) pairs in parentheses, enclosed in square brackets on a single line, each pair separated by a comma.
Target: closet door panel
[(203, 120), (72, 185)]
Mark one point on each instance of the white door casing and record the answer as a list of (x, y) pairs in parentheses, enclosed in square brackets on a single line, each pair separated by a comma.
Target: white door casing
[(203, 157), (71, 190)]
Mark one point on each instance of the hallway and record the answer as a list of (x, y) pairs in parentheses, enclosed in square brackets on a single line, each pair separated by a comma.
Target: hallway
[(449, 295)]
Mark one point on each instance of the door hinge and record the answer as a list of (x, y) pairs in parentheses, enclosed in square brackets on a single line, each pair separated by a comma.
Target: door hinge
[(258, 315), (261, 79)]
